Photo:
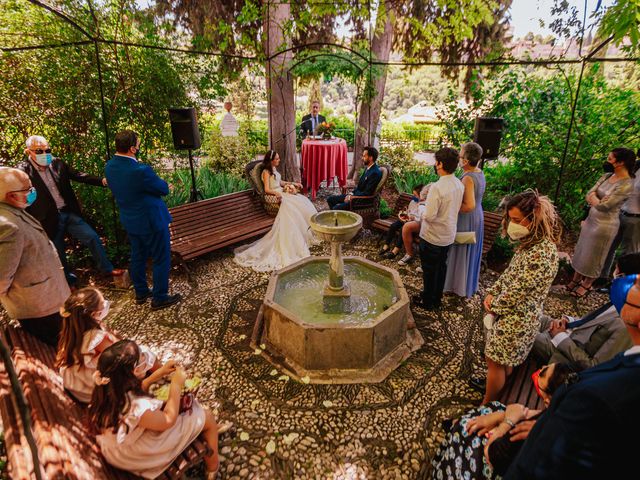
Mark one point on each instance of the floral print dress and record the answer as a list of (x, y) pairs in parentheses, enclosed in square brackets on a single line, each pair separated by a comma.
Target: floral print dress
[(461, 455), (518, 298)]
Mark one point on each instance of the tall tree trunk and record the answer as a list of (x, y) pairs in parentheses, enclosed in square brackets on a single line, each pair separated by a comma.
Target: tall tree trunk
[(371, 104), (281, 102)]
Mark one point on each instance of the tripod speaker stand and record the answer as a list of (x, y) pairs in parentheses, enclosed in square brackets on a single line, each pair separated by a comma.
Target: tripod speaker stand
[(186, 136)]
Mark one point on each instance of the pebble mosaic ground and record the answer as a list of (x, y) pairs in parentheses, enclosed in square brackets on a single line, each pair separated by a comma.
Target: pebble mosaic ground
[(287, 429)]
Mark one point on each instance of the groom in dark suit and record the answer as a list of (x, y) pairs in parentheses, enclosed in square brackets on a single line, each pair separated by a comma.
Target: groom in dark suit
[(590, 430), (311, 121), (367, 184)]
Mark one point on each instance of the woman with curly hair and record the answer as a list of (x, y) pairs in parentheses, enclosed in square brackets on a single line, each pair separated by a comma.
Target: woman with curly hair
[(516, 299)]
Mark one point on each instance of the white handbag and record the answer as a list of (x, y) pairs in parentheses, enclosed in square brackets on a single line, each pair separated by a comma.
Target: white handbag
[(465, 238)]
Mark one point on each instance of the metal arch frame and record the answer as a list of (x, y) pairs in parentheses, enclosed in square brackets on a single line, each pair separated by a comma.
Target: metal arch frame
[(96, 40)]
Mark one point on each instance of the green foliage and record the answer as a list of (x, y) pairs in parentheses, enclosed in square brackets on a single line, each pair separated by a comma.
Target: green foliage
[(230, 154), (537, 112), (398, 155), (406, 180), (422, 136), (209, 183), (385, 210), (622, 20)]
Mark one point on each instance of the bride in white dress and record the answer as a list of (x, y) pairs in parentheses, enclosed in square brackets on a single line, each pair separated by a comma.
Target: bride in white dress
[(290, 236)]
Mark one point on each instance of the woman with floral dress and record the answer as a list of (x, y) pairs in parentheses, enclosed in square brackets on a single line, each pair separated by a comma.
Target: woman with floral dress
[(517, 297)]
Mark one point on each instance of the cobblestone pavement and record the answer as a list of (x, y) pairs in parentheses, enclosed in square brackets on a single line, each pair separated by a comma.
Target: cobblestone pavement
[(384, 430)]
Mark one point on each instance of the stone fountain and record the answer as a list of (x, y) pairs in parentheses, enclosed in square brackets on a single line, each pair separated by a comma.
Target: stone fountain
[(336, 319)]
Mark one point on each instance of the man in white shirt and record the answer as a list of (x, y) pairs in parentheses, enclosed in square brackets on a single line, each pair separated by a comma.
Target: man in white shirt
[(229, 126), (438, 228)]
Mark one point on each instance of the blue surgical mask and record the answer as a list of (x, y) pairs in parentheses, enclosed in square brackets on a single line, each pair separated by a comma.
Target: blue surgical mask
[(620, 289), (31, 196), (44, 159)]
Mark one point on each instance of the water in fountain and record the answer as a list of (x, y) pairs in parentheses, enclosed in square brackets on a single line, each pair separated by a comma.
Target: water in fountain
[(301, 291)]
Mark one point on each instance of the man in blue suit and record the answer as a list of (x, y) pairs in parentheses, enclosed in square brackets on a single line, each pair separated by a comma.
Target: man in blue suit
[(590, 429), (138, 192), (367, 184)]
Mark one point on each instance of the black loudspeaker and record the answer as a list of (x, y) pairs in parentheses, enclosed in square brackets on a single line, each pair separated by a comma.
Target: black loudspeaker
[(184, 128), (487, 134)]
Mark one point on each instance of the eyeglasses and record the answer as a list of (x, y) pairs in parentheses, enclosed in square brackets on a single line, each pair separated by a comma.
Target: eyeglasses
[(28, 190), (40, 151), (535, 377)]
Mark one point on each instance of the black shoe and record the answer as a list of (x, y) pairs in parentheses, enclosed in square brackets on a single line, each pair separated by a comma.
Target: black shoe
[(167, 302), (478, 383), (419, 302), (383, 252), (140, 299), (389, 255)]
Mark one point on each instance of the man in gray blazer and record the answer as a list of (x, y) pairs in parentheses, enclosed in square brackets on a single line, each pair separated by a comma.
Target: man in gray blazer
[(595, 338), (32, 282)]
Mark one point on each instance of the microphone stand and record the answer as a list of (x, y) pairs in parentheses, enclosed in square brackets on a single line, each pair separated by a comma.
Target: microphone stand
[(195, 194), (284, 137)]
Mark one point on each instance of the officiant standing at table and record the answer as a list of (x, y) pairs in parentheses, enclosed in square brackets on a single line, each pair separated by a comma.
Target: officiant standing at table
[(311, 121)]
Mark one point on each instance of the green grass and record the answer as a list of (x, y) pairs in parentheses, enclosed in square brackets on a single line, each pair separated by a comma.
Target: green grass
[(209, 183)]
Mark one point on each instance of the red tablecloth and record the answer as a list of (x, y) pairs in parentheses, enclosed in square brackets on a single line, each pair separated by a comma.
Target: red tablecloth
[(323, 160)]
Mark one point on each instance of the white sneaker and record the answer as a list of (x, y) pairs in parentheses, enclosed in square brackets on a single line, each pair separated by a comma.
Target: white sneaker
[(419, 270), (406, 260)]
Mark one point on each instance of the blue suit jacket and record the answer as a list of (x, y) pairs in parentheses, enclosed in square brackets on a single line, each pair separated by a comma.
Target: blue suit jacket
[(138, 192), (368, 181), (590, 430)]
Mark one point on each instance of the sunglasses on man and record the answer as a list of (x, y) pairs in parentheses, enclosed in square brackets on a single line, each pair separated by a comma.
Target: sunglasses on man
[(40, 151)]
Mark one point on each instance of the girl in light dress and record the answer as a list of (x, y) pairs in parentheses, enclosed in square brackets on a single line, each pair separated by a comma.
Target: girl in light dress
[(139, 433), (83, 338), (290, 236)]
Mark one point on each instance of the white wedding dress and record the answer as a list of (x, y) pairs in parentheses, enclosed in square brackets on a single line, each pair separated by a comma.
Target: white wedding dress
[(289, 238)]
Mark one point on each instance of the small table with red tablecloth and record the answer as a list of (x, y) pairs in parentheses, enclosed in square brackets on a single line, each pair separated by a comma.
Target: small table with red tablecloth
[(323, 160)]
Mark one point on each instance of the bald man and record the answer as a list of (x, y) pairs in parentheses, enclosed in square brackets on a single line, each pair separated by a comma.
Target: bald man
[(32, 282)]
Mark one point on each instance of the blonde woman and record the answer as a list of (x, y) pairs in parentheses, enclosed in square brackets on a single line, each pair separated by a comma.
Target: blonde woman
[(517, 297)]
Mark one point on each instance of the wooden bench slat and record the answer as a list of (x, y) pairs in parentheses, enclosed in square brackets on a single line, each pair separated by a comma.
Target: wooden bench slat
[(208, 225), (206, 234)]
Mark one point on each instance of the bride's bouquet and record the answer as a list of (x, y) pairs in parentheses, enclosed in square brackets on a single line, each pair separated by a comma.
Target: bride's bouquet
[(291, 189)]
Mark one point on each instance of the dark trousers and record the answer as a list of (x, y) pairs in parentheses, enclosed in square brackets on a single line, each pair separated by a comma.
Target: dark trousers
[(394, 235), (434, 270), (336, 202), (157, 246), (46, 329)]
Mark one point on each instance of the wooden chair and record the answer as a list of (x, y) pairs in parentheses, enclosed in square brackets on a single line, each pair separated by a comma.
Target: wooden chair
[(368, 206), (253, 172), (519, 387), (202, 227), (65, 448)]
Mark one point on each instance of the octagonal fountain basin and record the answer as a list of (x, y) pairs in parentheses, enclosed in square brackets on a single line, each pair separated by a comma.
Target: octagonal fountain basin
[(364, 343)]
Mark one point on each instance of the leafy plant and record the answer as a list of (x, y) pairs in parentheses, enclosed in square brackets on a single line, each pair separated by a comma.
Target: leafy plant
[(406, 180), (399, 156), (385, 210), (209, 183)]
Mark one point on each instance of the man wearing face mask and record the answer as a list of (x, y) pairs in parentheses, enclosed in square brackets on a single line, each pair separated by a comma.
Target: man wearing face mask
[(138, 192), (32, 283), (57, 207), (588, 430)]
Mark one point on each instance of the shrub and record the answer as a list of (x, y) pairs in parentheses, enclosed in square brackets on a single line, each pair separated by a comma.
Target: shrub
[(399, 156), (229, 154), (385, 210), (209, 183), (406, 180)]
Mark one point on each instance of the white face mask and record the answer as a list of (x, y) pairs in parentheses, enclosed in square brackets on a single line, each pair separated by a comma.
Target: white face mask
[(517, 231), (104, 312)]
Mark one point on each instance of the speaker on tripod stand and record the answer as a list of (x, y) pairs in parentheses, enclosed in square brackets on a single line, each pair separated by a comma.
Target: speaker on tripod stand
[(487, 134), (186, 136)]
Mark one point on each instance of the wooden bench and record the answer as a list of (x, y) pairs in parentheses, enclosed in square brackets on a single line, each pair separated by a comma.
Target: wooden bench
[(492, 223), (382, 224), (65, 448), (519, 387), (202, 227)]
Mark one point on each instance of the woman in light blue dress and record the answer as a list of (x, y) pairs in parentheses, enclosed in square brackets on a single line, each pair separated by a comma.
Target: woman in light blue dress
[(463, 264)]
